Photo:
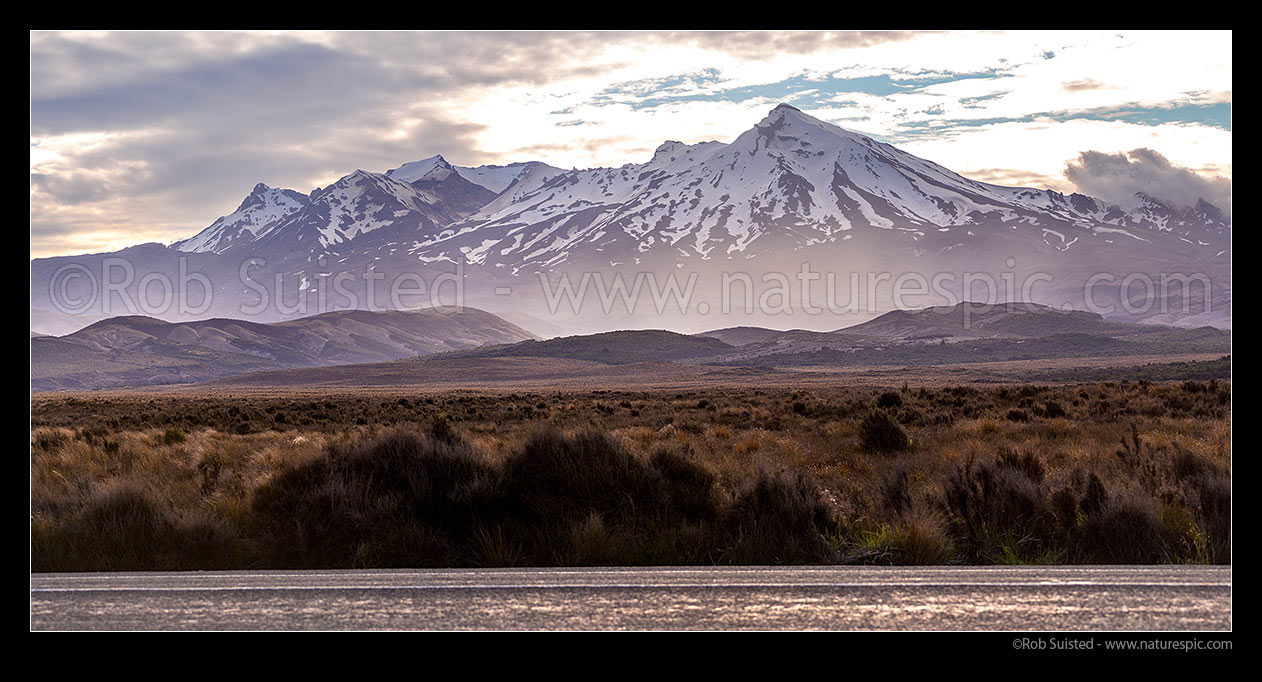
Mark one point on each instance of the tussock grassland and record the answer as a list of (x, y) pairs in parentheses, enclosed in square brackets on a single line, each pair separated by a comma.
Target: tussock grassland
[(1126, 472)]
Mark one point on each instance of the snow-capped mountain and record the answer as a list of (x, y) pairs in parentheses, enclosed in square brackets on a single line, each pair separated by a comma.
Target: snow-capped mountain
[(494, 178), (449, 194), (353, 207), (262, 210), (415, 170), (789, 190), (499, 178), (790, 182), (1203, 221), (412, 199)]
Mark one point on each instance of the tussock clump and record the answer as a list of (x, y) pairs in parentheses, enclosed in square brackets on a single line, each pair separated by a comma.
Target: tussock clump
[(922, 540), (778, 519), (889, 399), (1000, 511), (563, 479), (50, 439), (1127, 530), (592, 542), (1025, 462), (1210, 495), (126, 526), (122, 527), (173, 435), (1053, 410), (608, 504), (881, 433), (209, 466), (1084, 495), (690, 487), (896, 494), (1187, 465)]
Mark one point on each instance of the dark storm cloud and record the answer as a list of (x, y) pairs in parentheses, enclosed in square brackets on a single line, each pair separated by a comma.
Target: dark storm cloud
[(71, 188), (301, 84), (1117, 177)]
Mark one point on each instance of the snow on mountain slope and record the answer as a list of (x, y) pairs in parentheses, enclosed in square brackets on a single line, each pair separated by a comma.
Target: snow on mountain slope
[(449, 194), (420, 194), (415, 170), (355, 205), (791, 175), (494, 178), (1202, 222), (499, 178), (261, 210), (790, 182)]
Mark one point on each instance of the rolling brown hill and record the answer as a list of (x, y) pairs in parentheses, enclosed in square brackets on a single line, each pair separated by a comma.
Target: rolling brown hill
[(138, 350)]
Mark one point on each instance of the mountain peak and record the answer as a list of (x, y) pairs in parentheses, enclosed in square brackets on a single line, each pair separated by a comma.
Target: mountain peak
[(1210, 211), (356, 182), (356, 174), (415, 170), (435, 163), (441, 170), (788, 115), (256, 197)]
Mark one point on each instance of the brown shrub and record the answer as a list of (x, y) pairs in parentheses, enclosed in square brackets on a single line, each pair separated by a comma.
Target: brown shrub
[(881, 433), (778, 519)]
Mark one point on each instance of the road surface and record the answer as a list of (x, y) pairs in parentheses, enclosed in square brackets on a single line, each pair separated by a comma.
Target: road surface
[(729, 598)]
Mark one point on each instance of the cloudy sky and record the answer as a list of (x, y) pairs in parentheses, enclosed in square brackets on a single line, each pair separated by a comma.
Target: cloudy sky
[(150, 136)]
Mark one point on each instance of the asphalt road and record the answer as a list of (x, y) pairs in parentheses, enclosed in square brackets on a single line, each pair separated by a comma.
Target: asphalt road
[(732, 598)]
